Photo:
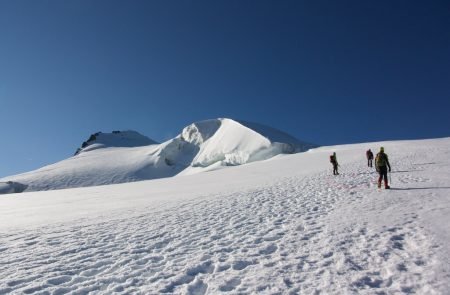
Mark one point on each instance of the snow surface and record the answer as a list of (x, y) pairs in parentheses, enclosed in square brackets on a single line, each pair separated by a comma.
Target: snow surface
[(281, 226), (128, 156)]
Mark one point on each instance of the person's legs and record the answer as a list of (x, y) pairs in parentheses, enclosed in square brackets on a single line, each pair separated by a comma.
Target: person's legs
[(383, 174), (386, 185)]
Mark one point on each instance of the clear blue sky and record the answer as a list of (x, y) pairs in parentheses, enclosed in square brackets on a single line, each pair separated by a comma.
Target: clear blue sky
[(327, 72)]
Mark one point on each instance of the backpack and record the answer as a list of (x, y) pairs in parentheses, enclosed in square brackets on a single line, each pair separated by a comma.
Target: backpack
[(381, 159), (332, 160)]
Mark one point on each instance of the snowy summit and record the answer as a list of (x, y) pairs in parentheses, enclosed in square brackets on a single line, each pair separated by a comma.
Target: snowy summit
[(127, 156)]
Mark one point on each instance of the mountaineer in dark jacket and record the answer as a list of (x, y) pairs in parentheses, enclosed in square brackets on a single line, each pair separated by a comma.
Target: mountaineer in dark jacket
[(369, 156), (333, 160), (382, 165)]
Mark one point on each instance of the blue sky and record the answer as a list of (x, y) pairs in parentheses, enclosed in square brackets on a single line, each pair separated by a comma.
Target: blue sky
[(327, 72)]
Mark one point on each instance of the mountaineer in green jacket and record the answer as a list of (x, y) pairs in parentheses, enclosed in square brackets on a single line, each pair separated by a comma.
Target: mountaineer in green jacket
[(382, 165)]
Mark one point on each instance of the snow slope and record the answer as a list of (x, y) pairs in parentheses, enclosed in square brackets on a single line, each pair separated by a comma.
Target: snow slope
[(107, 158), (282, 226)]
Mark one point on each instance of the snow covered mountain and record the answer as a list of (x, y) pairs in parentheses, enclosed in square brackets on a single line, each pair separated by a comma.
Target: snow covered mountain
[(117, 157)]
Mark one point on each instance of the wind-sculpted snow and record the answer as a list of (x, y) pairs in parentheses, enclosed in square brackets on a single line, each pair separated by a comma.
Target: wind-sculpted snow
[(278, 136), (198, 133), (292, 235)]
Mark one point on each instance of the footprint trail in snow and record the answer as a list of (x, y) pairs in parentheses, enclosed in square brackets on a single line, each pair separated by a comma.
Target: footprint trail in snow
[(335, 235)]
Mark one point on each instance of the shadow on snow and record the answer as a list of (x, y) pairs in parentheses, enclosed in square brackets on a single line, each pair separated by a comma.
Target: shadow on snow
[(419, 188)]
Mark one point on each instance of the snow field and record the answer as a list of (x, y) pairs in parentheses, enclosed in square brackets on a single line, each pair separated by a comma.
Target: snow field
[(294, 234)]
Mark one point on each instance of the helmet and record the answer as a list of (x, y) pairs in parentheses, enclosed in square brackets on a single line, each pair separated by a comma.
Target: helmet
[(381, 149)]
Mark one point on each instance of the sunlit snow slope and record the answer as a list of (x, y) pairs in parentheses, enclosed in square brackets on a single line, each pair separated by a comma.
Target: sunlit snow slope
[(118, 157), (281, 226)]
